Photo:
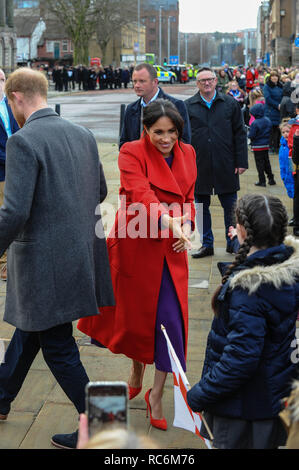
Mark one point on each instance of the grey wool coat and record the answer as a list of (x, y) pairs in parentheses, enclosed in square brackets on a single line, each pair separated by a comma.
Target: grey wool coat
[(58, 269)]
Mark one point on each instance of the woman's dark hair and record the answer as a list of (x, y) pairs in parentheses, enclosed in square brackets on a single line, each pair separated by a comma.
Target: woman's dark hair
[(265, 220), (163, 108)]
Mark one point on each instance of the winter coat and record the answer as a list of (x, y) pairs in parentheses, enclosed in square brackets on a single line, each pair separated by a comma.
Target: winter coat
[(222, 83), (294, 123), (287, 105), (249, 366), (295, 156), (286, 167), (273, 96), (252, 118), (220, 141), (251, 77), (137, 262), (241, 82), (260, 129), (58, 267)]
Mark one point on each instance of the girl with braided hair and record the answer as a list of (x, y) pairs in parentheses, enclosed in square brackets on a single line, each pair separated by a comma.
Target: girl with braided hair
[(250, 359)]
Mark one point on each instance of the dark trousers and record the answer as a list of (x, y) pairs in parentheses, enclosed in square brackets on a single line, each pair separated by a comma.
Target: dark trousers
[(275, 137), (61, 354), (263, 165), (296, 202), (228, 202)]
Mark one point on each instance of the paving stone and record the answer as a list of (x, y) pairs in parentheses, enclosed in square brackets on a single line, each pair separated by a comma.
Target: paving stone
[(42, 409), (14, 430), (54, 418)]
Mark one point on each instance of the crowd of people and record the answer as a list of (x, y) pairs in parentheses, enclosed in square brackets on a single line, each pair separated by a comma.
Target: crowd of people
[(269, 100), (69, 78), (173, 156)]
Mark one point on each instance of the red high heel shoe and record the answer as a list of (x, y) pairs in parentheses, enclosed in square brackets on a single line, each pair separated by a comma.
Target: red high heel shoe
[(134, 391), (156, 423)]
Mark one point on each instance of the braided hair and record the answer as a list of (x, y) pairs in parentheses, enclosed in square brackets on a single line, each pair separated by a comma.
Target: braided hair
[(265, 220)]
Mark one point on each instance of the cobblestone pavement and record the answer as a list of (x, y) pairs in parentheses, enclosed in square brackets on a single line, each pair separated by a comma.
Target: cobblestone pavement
[(41, 408)]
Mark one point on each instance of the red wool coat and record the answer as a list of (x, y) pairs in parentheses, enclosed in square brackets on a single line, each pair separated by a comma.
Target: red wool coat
[(137, 263)]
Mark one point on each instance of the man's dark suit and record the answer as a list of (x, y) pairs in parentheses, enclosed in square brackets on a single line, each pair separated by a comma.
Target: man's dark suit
[(131, 129)]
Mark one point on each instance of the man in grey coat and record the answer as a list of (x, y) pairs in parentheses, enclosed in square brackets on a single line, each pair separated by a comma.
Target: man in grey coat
[(58, 269)]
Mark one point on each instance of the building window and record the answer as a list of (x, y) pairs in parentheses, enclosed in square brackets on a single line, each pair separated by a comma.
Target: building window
[(65, 46), (50, 46), (1, 52), (26, 4)]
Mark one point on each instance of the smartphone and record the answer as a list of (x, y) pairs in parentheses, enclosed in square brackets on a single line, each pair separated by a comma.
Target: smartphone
[(106, 405)]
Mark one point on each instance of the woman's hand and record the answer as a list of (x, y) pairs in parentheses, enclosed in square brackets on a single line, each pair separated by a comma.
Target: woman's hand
[(180, 230)]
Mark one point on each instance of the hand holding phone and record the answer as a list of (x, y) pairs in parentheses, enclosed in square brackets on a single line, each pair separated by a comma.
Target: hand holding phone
[(106, 405)]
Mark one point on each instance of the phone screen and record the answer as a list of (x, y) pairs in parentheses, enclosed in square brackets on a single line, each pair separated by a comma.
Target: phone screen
[(106, 406)]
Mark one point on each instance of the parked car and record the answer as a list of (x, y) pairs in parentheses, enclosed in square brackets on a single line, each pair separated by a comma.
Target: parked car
[(165, 75)]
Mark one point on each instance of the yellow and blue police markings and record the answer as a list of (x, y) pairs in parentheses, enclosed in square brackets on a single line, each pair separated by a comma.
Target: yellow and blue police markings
[(165, 75)]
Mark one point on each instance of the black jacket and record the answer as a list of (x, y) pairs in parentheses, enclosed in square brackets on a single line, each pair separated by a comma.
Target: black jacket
[(295, 154), (287, 105), (131, 128), (220, 141)]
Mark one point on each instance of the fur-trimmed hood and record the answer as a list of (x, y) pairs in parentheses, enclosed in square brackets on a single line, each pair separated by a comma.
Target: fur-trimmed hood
[(285, 273)]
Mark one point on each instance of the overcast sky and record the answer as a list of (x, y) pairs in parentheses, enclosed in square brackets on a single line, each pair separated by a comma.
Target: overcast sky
[(203, 16)]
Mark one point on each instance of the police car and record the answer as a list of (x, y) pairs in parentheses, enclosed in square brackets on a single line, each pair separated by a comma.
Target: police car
[(165, 75)]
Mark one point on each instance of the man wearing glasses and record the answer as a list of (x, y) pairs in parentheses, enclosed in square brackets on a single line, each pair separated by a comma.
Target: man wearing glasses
[(220, 141)]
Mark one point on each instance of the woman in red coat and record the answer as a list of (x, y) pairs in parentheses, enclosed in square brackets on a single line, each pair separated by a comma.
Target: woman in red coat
[(147, 252)]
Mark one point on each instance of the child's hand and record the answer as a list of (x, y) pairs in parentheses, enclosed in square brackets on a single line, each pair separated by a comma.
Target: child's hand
[(232, 232)]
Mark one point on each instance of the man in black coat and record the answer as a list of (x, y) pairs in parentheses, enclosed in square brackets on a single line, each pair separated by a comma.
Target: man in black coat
[(145, 84), (220, 141), (295, 157)]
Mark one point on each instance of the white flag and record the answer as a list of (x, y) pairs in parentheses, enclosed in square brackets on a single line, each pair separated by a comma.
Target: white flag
[(184, 417)]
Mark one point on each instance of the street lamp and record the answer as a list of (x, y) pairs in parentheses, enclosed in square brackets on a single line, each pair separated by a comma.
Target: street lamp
[(138, 24), (186, 48), (160, 35)]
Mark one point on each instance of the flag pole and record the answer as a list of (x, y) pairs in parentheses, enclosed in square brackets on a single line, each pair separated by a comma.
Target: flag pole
[(176, 359)]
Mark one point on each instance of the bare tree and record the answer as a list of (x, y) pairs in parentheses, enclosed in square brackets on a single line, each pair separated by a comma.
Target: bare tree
[(79, 20), (112, 16)]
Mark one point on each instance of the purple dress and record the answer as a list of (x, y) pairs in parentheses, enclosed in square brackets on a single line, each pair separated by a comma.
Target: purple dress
[(169, 314)]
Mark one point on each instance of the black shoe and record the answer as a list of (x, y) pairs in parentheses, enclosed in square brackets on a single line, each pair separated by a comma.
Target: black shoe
[(291, 222), (65, 441), (296, 232), (271, 182), (258, 183), (229, 249), (203, 251)]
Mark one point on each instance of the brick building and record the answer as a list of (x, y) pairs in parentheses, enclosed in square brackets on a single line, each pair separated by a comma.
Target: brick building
[(278, 26), (41, 39), (161, 20), (8, 39)]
